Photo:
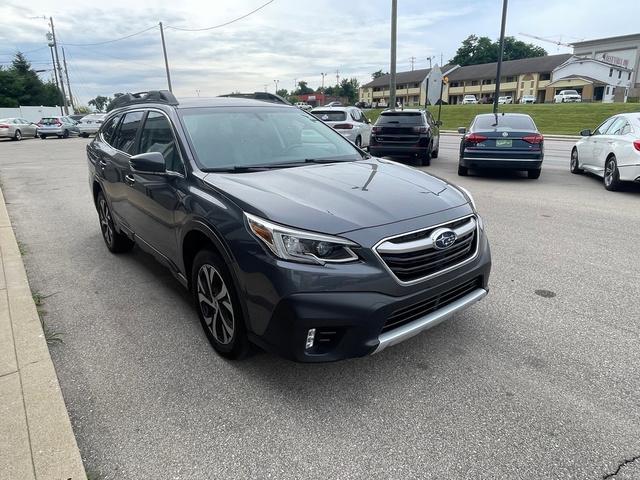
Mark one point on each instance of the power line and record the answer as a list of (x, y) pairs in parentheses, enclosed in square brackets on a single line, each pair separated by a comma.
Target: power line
[(24, 53), (222, 24), (108, 41)]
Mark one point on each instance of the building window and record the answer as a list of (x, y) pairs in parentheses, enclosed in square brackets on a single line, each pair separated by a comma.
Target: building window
[(629, 77), (531, 83), (454, 84), (619, 73), (521, 84), (474, 83), (545, 76), (607, 90), (611, 72), (487, 81)]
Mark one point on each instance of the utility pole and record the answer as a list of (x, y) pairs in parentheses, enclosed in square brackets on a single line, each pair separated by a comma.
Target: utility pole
[(337, 77), (323, 98), (266, 85), (276, 82), (498, 70), (166, 60), (66, 74), (413, 61), (55, 73), (392, 85), (430, 58), (55, 48)]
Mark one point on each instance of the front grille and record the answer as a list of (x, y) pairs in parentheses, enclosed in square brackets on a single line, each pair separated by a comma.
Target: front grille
[(412, 256), (412, 312)]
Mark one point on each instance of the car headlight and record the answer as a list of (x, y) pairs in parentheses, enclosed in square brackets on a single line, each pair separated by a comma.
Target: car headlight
[(301, 246)]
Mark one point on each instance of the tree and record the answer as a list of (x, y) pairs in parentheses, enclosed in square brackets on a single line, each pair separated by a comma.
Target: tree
[(378, 74), (475, 50), (349, 88), (303, 88), (82, 109), (110, 104), (282, 93), (20, 85), (100, 102)]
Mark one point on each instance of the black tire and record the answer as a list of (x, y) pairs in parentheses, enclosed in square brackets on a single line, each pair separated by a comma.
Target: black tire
[(65, 134), (425, 158), (17, 136), (434, 154), (84, 135), (574, 165), (115, 241), (218, 306), (43, 137), (533, 174), (358, 142), (463, 171), (611, 177)]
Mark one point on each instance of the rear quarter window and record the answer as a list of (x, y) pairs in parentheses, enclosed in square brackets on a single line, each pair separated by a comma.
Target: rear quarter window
[(109, 128), (125, 137)]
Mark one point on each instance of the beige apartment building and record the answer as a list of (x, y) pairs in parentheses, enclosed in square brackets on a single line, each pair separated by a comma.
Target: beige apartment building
[(528, 76)]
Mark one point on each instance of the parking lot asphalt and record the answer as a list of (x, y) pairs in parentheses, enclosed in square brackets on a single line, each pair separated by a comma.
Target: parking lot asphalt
[(539, 380)]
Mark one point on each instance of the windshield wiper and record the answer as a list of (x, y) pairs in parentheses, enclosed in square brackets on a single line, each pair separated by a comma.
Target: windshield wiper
[(247, 168), (326, 160)]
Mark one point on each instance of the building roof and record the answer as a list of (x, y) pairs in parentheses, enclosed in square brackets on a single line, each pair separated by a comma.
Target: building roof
[(621, 38), (412, 76), (509, 68), (578, 77)]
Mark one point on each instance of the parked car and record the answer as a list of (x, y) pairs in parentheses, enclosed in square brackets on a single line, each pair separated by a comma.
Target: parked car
[(406, 133), (528, 99), (303, 106), (349, 122), (286, 234), (611, 151), (505, 100), (363, 105), (90, 124), (505, 141), (334, 104), (469, 99), (567, 96), (76, 118), (62, 127), (17, 128)]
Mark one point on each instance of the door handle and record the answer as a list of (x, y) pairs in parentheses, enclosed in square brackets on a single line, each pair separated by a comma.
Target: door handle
[(102, 163), (129, 179)]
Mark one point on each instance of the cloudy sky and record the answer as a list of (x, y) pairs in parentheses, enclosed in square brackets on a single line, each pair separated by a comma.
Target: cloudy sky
[(285, 41)]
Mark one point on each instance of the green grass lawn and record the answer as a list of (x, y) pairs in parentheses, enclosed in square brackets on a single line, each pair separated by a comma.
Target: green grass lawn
[(561, 118)]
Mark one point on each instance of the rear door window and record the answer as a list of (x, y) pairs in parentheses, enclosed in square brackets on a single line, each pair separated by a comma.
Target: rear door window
[(125, 139), (157, 136), (330, 116)]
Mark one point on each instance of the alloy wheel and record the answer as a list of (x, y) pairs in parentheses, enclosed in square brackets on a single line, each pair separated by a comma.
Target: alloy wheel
[(215, 304), (609, 172), (574, 160), (18, 135), (106, 224)]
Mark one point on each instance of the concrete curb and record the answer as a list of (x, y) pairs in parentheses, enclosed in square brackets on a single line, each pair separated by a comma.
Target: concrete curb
[(36, 438), (571, 138)]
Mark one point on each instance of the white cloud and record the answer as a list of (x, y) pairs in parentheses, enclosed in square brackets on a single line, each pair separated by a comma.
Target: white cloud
[(286, 40)]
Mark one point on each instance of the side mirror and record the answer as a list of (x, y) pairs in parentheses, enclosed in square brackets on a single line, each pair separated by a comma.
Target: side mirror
[(585, 133), (150, 162), (438, 123), (367, 120), (462, 130)]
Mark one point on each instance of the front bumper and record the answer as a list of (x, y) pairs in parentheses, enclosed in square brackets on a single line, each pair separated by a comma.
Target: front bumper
[(350, 323)]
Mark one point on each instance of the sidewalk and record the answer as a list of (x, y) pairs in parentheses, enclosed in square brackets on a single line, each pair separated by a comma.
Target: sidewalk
[(36, 438)]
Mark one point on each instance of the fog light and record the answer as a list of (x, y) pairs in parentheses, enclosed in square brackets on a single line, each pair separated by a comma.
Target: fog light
[(311, 335)]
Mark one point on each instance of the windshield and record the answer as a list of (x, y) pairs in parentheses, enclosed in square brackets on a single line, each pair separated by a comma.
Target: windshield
[(224, 138), (504, 122), (330, 116), (570, 92), (402, 118)]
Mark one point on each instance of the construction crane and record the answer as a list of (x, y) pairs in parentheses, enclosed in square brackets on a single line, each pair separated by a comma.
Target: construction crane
[(557, 42)]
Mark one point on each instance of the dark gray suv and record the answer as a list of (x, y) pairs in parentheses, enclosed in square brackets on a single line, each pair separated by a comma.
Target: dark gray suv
[(287, 235)]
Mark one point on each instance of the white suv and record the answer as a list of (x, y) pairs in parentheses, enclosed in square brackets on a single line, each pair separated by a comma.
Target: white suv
[(567, 96), (469, 99), (303, 106), (349, 122)]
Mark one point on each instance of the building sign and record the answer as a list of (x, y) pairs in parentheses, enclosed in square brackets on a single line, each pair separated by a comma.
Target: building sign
[(613, 60)]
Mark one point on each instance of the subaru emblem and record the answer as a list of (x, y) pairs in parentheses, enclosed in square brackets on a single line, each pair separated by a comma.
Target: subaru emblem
[(443, 238), (505, 134)]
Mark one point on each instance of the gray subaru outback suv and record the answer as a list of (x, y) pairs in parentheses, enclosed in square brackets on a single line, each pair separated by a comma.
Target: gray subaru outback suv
[(287, 235)]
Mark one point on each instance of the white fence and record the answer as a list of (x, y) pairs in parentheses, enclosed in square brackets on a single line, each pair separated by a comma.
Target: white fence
[(33, 114)]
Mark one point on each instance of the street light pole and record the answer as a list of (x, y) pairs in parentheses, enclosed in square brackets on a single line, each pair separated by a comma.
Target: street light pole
[(323, 99), (392, 83), (276, 82), (55, 74), (66, 75), (498, 70)]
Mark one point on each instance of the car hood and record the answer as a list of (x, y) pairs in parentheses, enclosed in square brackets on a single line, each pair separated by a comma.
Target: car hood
[(338, 197)]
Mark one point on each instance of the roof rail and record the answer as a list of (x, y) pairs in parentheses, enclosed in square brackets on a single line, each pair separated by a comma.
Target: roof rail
[(152, 96), (264, 96)]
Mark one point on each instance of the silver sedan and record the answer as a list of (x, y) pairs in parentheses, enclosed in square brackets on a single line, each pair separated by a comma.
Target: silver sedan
[(17, 128)]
